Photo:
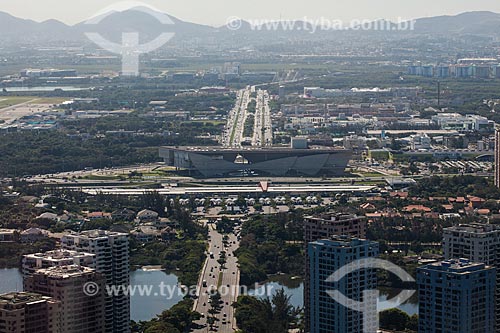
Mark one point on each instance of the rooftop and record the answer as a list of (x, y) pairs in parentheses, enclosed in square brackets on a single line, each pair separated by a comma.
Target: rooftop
[(249, 148), (457, 266), (333, 216), (64, 272), (58, 255), (344, 241), (21, 298), (476, 228), (93, 234)]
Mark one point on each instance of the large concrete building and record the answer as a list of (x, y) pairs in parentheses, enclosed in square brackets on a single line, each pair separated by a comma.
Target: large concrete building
[(456, 296), (478, 243), (325, 226), (35, 261), (28, 313), (112, 260), (325, 258), (79, 312), (278, 162)]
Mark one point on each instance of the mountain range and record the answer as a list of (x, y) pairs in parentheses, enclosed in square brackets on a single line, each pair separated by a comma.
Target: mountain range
[(112, 26)]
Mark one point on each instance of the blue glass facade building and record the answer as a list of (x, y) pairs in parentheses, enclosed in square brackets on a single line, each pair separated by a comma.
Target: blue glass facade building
[(456, 296), (325, 258)]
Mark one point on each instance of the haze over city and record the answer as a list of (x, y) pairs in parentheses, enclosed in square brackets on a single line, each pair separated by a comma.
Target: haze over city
[(216, 12)]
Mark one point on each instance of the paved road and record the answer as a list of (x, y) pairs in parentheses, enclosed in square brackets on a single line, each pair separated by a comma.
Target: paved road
[(63, 177), (263, 135), (233, 133), (267, 125), (12, 113), (227, 279)]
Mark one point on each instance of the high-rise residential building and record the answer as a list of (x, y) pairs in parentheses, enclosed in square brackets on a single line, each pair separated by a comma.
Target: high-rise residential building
[(112, 260), (476, 242), (28, 313), (324, 226), (33, 262), (456, 296), (329, 224), (79, 312), (497, 156), (325, 258)]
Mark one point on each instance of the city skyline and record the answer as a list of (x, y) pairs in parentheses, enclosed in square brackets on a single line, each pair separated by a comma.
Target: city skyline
[(217, 12)]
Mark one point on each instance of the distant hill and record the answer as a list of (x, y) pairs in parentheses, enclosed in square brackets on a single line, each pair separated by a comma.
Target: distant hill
[(111, 27), (138, 21), (16, 28), (482, 23)]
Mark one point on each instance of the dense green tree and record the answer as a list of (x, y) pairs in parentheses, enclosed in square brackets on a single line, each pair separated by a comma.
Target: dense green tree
[(275, 315), (395, 319), (176, 320)]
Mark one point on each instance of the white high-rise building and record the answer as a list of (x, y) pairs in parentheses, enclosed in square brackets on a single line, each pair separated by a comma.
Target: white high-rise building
[(478, 243), (112, 260), (35, 261)]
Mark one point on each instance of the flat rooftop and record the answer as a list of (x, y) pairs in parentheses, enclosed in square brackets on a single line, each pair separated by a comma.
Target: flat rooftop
[(460, 266), (249, 148), (92, 234), (14, 298), (64, 272), (57, 255), (474, 228), (334, 216)]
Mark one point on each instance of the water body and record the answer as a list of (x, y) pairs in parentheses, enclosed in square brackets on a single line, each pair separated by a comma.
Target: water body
[(141, 307), (147, 307), (43, 89), (295, 289), (10, 280)]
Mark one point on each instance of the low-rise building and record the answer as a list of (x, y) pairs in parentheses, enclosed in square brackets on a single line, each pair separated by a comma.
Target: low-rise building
[(33, 235), (147, 215), (145, 233), (8, 235)]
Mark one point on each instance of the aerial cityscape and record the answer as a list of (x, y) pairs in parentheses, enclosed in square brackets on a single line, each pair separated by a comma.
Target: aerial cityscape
[(249, 168)]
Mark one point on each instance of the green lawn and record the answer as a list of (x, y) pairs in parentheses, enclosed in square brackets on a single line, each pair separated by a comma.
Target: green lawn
[(7, 101)]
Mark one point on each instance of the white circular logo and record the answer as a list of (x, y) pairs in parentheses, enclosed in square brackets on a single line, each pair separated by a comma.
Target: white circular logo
[(91, 289), (130, 49)]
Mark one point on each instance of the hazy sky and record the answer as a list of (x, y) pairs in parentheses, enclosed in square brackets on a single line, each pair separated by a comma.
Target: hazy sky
[(216, 12)]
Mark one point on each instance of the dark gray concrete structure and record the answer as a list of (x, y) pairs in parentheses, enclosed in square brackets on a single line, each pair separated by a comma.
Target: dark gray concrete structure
[(276, 162)]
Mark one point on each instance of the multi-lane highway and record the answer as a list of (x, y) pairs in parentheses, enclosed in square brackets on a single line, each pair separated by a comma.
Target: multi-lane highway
[(262, 134), (223, 278), (267, 126), (233, 133), (263, 130)]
